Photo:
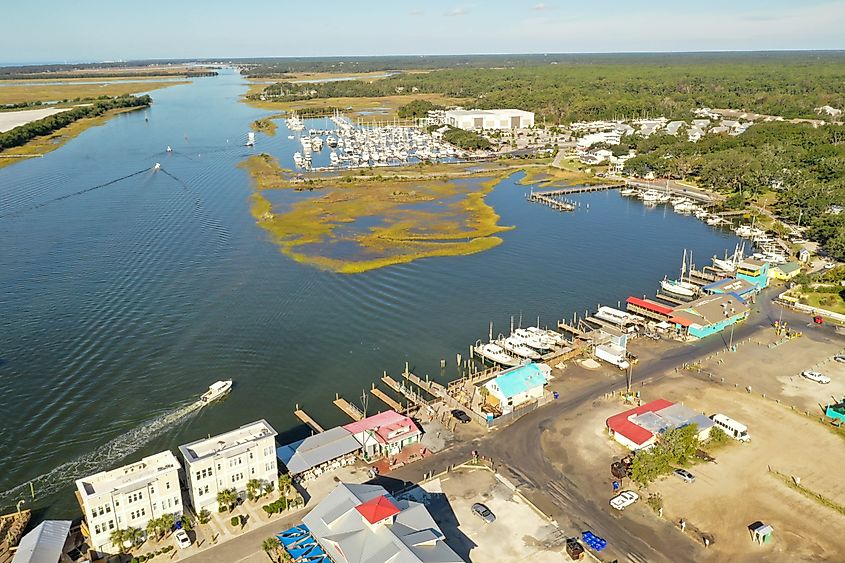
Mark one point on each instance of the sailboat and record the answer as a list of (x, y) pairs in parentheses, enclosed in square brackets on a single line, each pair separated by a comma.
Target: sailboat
[(680, 287)]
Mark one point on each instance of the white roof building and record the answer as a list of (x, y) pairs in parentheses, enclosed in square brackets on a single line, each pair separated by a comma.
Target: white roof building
[(46, 543), (129, 497), (474, 119), (364, 524), (230, 461)]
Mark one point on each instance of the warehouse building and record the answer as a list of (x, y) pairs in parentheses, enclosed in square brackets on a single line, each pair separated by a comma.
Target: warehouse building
[(475, 119), (709, 315), (639, 428), (517, 386)]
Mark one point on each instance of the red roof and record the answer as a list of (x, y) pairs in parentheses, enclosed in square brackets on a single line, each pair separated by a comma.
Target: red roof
[(377, 509), (385, 426), (620, 424), (683, 321), (650, 305)]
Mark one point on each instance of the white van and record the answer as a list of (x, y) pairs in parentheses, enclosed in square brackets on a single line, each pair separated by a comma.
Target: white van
[(732, 428)]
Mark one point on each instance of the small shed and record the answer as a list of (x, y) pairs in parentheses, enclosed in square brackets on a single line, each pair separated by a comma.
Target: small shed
[(804, 255), (760, 532)]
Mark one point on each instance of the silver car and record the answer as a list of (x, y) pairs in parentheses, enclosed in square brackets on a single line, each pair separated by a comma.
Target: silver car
[(483, 512), (685, 475)]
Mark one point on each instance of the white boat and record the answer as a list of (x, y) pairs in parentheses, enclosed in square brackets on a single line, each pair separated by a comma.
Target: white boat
[(216, 390), (157, 166), (547, 336), (516, 346), (331, 141), (682, 288), (532, 339), (169, 149), (334, 158), (714, 220), (495, 354), (724, 265), (250, 139), (628, 191), (290, 137)]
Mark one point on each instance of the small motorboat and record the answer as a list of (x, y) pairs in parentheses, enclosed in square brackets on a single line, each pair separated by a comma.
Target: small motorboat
[(157, 166), (216, 390)]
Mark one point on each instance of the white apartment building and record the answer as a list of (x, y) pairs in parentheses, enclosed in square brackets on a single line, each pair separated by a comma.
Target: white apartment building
[(474, 119), (129, 497), (229, 461)]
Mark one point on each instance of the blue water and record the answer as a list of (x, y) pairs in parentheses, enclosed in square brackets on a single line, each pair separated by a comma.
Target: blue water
[(122, 303)]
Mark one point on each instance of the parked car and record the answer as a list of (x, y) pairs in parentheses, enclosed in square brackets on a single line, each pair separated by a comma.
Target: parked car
[(483, 512), (685, 475), (461, 416), (815, 376), (182, 539), (839, 358), (624, 500)]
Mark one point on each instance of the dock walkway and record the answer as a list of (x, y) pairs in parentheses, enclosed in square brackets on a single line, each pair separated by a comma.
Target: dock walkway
[(351, 410), (387, 400), (303, 416)]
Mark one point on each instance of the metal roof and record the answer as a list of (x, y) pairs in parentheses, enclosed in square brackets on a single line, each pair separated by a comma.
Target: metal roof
[(410, 536), (521, 379), (317, 449), (44, 544)]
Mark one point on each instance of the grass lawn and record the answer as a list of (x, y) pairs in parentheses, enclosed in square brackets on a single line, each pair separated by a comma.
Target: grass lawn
[(831, 301)]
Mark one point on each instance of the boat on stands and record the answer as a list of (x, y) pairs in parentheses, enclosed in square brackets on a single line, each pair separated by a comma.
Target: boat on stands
[(678, 287)]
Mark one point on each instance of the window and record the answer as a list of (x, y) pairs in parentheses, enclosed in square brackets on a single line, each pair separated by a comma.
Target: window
[(199, 492), (167, 485), (152, 490), (198, 475), (100, 511), (108, 508), (97, 529), (250, 455), (176, 499), (143, 512), (252, 471), (206, 489), (111, 524)]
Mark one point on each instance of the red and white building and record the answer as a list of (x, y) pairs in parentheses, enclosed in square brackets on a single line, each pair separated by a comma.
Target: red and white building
[(638, 428), (385, 433)]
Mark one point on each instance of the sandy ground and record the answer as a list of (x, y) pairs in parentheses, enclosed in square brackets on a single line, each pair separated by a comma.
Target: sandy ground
[(738, 489), (518, 534), (11, 119)]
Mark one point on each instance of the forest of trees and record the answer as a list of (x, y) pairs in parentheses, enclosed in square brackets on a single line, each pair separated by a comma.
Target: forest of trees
[(21, 135), (467, 140), (803, 166), (417, 108), (671, 86)]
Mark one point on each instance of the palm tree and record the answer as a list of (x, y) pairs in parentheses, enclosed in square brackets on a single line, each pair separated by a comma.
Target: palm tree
[(270, 546), (253, 489), (226, 499), (134, 535), (167, 521), (285, 482), (153, 527), (117, 538)]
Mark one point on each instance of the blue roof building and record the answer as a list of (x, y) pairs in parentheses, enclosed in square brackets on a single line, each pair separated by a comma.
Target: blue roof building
[(738, 286), (517, 386)]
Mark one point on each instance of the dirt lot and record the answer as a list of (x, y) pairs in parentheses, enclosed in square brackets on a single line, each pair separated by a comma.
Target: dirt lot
[(518, 534), (777, 371), (736, 490)]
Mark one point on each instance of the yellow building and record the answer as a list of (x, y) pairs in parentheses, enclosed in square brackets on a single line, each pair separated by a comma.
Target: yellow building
[(785, 272)]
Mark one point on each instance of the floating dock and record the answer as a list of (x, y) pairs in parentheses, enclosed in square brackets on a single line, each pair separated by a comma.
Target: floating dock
[(307, 420), (413, 398), (551, 201), (351, 410)]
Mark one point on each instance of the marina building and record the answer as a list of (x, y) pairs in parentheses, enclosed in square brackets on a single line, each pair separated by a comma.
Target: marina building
[(128, 497), (46, 543), (755, 271), (517, 386), (639, 428), (321, 452), (709, 315), (785, 272), (384, 434), (475, 119), (738, 286), (229, 461), (365, 524)]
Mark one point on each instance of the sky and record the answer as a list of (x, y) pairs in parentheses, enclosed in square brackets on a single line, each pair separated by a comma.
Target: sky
[(89, 30)]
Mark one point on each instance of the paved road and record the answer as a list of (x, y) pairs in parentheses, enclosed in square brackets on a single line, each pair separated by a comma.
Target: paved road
[(517, 452)]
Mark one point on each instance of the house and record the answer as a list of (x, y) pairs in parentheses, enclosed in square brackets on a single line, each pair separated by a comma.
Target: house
[(315, 454), (785, 272), (755, 271), (638, 428), (695, 134), (517, 386), (709, 315), (595, 157), (46, 543), (384, 434), (365, 524), (477, 119), (229, 461), (673, 127), (607, 137), (128, 497)]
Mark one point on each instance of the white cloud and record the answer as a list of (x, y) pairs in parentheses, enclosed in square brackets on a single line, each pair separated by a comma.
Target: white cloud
[(540, 7), (457, 12)]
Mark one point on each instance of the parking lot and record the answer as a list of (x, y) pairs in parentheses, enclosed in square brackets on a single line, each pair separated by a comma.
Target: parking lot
[(519, 533)]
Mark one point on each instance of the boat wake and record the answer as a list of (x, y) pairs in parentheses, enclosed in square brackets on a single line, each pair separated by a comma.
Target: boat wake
[(101, 458)]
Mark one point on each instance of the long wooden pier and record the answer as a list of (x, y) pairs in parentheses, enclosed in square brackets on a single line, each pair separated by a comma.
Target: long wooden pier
[(303, 416), (568, 328), (413, 398), (351, 410), (580, 189), (551, 201), (387, 400)]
